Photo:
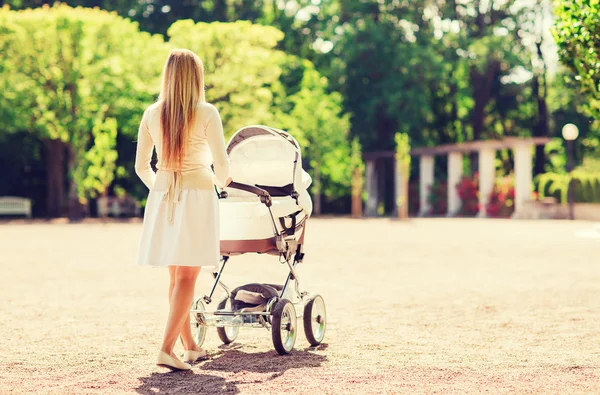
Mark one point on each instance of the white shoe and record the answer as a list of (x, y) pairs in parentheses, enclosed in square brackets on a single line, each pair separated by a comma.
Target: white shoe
[(193, 356), (167, 361)]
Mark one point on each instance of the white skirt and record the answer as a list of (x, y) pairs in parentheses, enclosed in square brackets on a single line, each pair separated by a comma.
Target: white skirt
[(191, 239)]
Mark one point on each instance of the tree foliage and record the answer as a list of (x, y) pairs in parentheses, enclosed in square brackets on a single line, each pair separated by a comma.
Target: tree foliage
[(87, 74), (577, 33), (437, 70), (586, 186), (252, 82), (342, 76), (322, 128), (242, 68), (76, 76)]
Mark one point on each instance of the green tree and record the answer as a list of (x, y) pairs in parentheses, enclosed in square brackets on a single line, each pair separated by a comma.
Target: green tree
[(317, 119), (242, 68), (155, 16), (568, 105), (426, 67), (252, 82), (379, 66), (577, 33), (494, 49), (74, 77)]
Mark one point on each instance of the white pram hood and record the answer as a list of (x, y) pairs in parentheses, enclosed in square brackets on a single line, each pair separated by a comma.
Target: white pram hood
[(264, 156), (269, 159)]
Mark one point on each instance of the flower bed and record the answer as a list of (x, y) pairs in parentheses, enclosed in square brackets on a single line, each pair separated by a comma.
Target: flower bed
[(502, 200), (468, 191), (438, 198)]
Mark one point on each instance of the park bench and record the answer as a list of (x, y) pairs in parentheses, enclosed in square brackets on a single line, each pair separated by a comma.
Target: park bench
[(13, 205)]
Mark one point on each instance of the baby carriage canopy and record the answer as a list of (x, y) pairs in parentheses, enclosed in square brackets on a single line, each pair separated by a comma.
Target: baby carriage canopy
[(268, 159)]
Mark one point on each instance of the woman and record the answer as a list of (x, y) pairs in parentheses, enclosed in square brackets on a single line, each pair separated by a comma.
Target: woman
[(181, 220)]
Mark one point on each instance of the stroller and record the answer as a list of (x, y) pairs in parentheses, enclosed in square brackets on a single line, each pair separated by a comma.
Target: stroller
[(264, 211)]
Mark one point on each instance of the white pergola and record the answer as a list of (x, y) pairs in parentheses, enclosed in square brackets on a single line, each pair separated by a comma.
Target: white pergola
[(523, 155)]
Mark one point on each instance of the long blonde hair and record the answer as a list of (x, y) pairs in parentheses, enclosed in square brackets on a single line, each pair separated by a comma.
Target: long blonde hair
[(182, 90)]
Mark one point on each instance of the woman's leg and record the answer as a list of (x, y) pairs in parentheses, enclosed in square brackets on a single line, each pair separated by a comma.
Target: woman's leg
[(172, 271), (180, 302), (186, 331)]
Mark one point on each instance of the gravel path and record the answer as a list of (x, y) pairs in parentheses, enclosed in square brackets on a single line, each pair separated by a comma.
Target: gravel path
[(425, 306)]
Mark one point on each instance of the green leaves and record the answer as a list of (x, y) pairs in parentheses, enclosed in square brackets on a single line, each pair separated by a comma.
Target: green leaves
[(98, 168), (84, 76), (242, 68), (586, 186), (318, 122), (78, 75), (577, 33)]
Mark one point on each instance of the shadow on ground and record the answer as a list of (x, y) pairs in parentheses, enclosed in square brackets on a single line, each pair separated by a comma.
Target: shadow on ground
[(231, 360), (189, 382), (235, 360)]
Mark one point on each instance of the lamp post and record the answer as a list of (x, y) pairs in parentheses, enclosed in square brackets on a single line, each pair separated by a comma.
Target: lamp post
[(570, 133)]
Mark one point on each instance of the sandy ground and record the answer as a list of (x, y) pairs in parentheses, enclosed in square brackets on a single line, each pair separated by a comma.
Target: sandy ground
[(447, 306)]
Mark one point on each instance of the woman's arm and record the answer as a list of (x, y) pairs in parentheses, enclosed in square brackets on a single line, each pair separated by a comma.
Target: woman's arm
[(216, 142), (143, 156)]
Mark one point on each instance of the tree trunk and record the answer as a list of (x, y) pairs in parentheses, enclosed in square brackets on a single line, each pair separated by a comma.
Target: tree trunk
[(389, 194), (482, 91), (220, 10), (55, 177), (479, 113), (75, 209), (317, 190), (454, 111), (541, 128), (357, 190)]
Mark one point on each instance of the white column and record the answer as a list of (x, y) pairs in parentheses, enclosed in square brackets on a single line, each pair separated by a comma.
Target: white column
[(455, 173), (371, 181), (523, 175), (487, 177), (425, 182)]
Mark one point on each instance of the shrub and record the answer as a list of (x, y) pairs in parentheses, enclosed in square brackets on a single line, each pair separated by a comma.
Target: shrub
[(586, 186), (502, 200), (438, 198), (468, 191), (414, 204)]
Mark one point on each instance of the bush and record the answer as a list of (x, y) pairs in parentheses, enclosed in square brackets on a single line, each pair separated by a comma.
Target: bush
[(468, 191), (586, 186), (414, 203), (502, 200), (438, 198)]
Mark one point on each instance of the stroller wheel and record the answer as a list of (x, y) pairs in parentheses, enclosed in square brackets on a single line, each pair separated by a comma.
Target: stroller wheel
[(315, 320), (283, 330), (197, 322), (230, 333)]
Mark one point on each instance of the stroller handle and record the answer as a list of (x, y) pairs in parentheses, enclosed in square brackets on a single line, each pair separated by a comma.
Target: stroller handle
[(264, 196)]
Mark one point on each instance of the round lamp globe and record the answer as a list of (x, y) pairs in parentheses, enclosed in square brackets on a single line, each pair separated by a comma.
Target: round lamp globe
[(570, 132)]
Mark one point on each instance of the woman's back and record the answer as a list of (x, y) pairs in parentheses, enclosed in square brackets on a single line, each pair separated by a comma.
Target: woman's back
[(205, 145), (204, 132)]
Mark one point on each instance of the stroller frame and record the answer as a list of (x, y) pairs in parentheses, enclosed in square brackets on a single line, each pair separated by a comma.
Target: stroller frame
[(280, 315)]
